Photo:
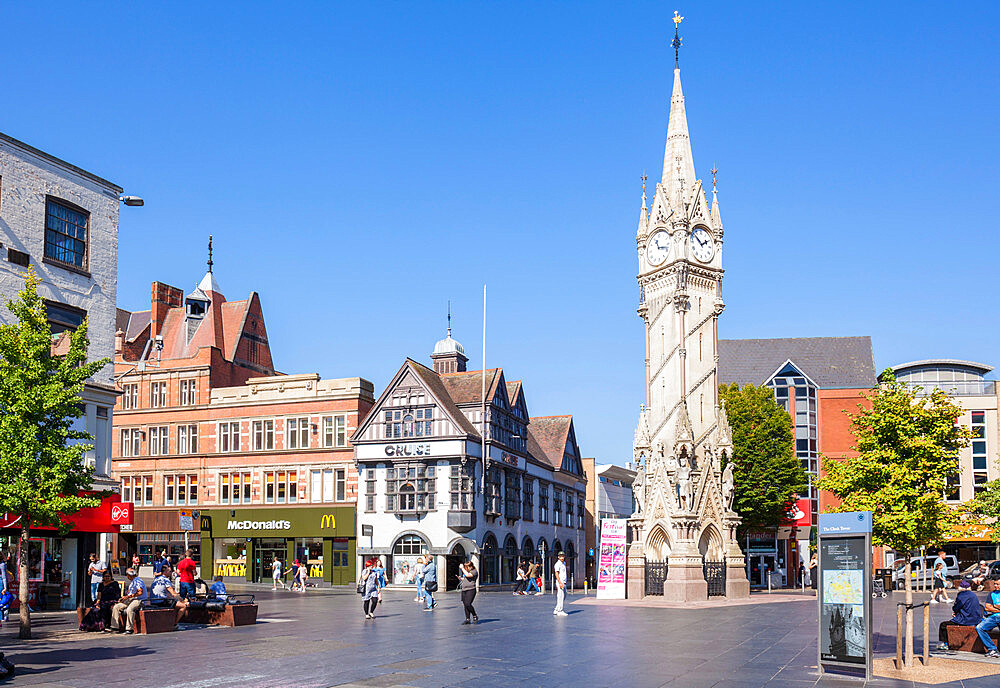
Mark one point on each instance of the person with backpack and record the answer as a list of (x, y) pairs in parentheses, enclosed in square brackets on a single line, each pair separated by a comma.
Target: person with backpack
[(430, 583), (991, 621), (369, 589)]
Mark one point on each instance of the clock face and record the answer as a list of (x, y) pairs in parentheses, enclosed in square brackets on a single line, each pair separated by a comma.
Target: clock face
[(658, 248), (702, 244)]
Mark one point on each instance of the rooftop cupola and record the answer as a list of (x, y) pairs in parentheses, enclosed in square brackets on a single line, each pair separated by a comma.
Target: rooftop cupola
[(449, 355)]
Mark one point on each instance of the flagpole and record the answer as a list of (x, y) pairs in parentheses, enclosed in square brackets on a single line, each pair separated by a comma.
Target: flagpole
[(483, 425)]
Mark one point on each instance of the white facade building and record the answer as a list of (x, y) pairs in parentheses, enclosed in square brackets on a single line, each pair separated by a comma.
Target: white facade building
[(63, 222), (422, 489)]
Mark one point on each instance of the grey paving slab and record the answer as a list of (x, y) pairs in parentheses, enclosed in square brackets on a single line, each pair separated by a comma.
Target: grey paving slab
[(321, 640)]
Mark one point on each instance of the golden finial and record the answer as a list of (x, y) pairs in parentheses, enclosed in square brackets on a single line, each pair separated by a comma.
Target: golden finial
[(677, 42)]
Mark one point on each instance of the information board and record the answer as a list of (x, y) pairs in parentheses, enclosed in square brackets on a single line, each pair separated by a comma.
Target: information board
[(611, 560), (845, 590)]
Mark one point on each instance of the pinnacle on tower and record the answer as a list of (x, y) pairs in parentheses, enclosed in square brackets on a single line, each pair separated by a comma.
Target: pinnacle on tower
[(716, 216), (678, 162), (643, 212)]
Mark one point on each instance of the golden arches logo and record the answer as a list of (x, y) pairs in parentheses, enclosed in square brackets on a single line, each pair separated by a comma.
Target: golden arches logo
[(328, 521)]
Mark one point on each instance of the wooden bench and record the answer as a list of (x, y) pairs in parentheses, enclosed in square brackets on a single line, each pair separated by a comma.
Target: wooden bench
[(231, 615), (148, 620), (965, 638)]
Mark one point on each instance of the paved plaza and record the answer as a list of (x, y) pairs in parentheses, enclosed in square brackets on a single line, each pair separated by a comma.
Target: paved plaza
[(322, 639)]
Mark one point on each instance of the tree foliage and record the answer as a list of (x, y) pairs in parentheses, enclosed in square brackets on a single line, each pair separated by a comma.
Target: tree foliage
[(42, 466), (907, 445), (984, 508), (766, 473)]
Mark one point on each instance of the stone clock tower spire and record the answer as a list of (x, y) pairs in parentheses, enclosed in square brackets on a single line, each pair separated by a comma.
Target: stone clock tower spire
[(682, 439)]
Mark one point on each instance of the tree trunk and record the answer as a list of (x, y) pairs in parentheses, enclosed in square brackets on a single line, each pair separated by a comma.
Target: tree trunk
[(22, 574), (908, 650)]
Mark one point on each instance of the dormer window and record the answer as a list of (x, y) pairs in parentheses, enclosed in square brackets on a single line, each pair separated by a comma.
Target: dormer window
[(196, 308)]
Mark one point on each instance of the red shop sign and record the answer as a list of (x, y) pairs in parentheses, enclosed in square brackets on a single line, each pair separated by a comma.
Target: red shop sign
[(96, 519)]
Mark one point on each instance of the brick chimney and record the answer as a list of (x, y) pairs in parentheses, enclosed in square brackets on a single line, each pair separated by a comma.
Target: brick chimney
[(164, 298)]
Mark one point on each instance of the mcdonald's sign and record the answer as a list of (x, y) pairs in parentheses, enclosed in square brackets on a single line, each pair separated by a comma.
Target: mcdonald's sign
[(328, 521)]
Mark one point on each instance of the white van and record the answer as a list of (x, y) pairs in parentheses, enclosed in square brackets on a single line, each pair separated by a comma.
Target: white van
[(925, 573)]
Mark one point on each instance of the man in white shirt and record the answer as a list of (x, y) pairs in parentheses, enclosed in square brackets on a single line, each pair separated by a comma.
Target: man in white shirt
[(128, 605), (96, 570), (560, 571)]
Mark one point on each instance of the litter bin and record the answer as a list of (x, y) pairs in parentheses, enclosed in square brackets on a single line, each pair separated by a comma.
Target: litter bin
[(886, 576)]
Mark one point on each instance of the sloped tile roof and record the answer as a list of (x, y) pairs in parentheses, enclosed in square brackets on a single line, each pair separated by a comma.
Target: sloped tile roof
[(137, 323), (467, 388), (547, 437), (441, 391), (831, 362)]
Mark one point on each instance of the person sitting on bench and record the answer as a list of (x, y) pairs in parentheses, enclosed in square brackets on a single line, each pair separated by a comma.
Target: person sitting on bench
[(162, 593), (129, 603), (967, 613), (217, 591), (981, 575), (991, 621)]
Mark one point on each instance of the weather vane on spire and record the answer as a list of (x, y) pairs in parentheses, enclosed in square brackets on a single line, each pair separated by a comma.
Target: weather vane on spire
[(714, 172), (449, 318), (643, 178), (209, 252), (676, 43)]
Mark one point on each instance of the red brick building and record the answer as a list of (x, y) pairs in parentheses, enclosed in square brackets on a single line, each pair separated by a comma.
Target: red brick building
[(206, 424)]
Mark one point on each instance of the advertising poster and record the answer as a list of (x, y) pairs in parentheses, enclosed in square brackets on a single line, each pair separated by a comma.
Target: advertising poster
[(843, 636), (404, 569), (611, 560)]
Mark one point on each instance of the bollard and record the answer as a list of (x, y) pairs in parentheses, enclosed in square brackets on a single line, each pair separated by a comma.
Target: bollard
[(927, 633), (584, 588), (899, 635)]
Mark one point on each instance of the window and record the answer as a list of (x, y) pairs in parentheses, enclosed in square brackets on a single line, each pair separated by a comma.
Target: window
[(528, 499), (130, 398), (463, 480), (409, 487), (229, 436), (18, 257), (131, 442), (138, 489), (234, 488), (569, 509), (280, 487), (66, 233), (409, 423), (189, 392), (180, 490), (158, 441), (297, 433), (979, 460), (580, 509), (491, 504), (187, 439), (557, 507), (341, 477), (543, 502), (263, 435), (158, 394), (62, 317), (369, 489), (512, 495), (409, 544), (335, 431)]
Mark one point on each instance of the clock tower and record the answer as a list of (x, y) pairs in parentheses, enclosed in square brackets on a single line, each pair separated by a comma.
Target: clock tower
[(684, 511)]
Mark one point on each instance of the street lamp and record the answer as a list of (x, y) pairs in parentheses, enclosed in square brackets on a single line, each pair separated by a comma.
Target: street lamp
[(131, 200)]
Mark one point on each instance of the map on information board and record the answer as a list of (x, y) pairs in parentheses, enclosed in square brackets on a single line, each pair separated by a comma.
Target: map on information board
[(843, 587)]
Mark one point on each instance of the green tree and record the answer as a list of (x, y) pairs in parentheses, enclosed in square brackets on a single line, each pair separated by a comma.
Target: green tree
[(985, 508), (42, 467), (907, 442), (766, 474)]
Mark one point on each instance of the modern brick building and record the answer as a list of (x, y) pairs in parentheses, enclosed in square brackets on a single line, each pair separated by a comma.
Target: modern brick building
[(206, 424), (817, 380)]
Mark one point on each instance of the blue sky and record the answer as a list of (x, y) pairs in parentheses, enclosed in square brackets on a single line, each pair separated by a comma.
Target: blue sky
[(361, 164)]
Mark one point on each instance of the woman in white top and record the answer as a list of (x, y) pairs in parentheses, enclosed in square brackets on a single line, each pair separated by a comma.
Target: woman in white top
[(276, 574)]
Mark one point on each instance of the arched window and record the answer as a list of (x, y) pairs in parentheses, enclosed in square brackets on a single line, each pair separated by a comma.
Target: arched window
[(490, 561), (408, 425), (570, 561), (407, 497), (510, 557), (528, 549), (402, 568)]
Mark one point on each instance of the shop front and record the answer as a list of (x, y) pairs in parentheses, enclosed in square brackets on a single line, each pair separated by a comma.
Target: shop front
[(152, 532), (241, 544), (57, 564)]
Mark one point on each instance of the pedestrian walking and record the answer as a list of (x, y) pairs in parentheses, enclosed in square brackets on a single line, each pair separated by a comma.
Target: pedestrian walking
[(418, 568), (522, 578), (560, 572), (370, 589), (6, 587), (380, 570), (467, 576), (532, 580), (430, 583), (276, 575), (185, 574), (294, 570), (303, 576), (940, 569)]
